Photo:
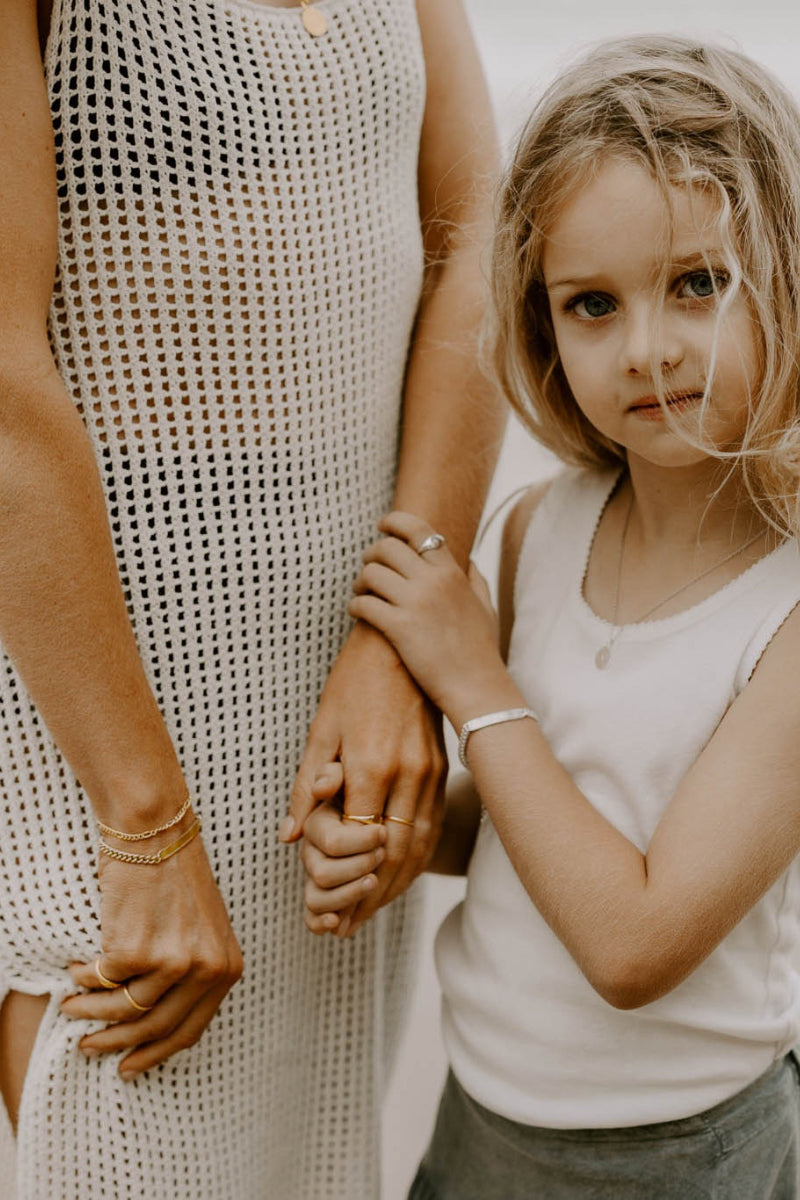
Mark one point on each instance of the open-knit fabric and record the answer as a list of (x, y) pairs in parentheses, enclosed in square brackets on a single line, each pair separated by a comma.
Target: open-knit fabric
[(240, 265)]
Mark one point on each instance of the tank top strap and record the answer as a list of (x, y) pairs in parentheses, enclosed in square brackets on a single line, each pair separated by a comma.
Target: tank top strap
[(560, 533)]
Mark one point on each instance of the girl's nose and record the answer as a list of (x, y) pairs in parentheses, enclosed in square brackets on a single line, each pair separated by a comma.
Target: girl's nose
[(649, 341)]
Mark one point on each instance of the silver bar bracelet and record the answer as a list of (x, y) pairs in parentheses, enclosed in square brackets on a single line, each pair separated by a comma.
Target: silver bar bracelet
[(495, 718)]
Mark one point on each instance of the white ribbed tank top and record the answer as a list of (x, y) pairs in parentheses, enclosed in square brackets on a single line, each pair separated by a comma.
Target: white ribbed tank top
[(527, 1035), (240, 265)]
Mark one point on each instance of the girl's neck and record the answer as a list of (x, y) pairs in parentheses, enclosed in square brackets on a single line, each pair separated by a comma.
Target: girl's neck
[(685, 506)]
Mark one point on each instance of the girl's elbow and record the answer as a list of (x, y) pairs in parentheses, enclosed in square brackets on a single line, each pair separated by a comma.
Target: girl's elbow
[(629, 982)]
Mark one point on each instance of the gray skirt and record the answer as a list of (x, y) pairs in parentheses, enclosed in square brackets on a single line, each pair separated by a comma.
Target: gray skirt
[(743, 1149)]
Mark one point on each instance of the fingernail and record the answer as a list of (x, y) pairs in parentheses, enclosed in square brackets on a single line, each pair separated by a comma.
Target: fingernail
[(128, 1075), (369, 883), (380, 854), (89, 1051), (287, 829)]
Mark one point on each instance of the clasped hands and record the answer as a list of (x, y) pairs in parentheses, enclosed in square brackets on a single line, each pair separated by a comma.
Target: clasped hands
[(441, 624)]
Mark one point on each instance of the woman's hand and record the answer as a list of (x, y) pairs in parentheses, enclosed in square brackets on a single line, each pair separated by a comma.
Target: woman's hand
[(439, 621), (386, 738), (166, 937)]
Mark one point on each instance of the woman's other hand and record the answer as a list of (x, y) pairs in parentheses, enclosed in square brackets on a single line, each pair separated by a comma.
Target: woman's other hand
[(166, 937)]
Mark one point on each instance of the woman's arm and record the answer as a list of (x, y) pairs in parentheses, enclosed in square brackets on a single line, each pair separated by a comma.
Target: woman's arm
[(63, 619), (372, 716), (337, 855), (636, 924)]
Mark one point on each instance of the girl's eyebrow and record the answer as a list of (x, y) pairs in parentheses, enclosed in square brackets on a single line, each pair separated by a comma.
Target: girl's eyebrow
[(697, 258), (586, 281), (691, 260)]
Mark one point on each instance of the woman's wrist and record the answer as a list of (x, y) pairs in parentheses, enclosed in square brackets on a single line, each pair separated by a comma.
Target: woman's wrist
[(138, 801)]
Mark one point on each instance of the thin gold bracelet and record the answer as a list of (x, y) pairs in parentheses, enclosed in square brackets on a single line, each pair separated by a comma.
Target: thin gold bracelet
[(141, 837), (151, 859)]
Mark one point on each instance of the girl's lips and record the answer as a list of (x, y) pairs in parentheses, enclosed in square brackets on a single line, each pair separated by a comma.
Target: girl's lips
[(649, 409)]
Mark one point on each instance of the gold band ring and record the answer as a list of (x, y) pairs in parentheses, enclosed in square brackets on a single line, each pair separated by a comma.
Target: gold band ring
[(374, 819), (109, 984), (139, 1007), (398, 820)]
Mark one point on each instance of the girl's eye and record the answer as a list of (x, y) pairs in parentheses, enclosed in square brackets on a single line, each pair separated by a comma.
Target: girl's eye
[(590, 306), (702, 285)]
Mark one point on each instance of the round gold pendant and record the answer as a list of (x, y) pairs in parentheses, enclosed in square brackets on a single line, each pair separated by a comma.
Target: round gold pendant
[(314, 21)]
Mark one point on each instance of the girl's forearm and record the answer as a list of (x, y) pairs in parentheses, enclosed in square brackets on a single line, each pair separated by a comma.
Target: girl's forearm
[(587, 880), (63, 619)]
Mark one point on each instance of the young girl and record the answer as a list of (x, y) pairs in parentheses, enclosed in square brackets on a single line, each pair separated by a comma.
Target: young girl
[(622, 983)]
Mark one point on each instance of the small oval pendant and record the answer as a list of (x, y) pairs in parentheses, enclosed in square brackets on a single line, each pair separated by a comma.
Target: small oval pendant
[(602, 657), (314, 21)]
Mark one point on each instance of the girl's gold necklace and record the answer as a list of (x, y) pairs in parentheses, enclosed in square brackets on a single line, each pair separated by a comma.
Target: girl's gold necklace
[(603, 655)]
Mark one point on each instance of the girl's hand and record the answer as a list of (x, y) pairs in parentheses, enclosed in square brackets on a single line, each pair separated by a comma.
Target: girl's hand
[(339, 857), (426, 606), (166, 937)]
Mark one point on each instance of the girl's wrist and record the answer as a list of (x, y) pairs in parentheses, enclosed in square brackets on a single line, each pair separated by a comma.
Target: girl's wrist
[(482, 694)]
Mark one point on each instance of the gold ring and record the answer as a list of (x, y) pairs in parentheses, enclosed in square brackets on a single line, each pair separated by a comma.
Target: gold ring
[(136, 1005), (398, 820), (374, 819), (104, 983)]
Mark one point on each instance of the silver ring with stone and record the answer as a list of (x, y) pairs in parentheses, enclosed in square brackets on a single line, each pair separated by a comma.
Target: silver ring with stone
[(434, 541)]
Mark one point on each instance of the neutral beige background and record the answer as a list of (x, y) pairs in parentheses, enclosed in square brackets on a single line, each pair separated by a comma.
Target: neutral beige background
[(523, 43)]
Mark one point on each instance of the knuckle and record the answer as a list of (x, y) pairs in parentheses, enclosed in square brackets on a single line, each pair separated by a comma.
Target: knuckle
[(330, 841), (211, 969), (176, 966), (323, 875), (235, 969)]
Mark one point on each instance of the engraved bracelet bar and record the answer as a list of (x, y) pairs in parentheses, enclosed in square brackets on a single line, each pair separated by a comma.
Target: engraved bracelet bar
[(495, 718)]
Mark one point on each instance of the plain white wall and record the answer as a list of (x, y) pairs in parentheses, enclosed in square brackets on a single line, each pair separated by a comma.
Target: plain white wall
[(523, 44)]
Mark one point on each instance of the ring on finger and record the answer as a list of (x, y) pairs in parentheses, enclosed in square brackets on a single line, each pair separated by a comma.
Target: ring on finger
[(104, 982), (434, 541), (142, 1008), (372, 819), (399, 820)]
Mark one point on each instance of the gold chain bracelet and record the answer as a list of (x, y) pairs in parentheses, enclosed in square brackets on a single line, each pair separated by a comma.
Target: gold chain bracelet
[(151, 859), (141, 837)]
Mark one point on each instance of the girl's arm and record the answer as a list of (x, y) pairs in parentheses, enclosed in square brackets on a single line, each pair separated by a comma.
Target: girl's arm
[(63, 619), (372, 716), (334, 852), (636, 924)]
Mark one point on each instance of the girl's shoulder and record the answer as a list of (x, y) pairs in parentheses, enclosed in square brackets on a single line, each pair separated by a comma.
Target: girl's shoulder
[(566, 507)]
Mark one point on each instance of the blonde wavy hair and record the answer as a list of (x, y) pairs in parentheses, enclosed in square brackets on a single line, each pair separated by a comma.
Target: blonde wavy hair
[(694, 114)]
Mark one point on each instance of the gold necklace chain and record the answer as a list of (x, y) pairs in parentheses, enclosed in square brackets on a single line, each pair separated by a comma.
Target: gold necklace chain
[(603, 655)]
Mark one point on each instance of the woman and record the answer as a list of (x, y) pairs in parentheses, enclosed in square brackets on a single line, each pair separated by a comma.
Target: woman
[(230, 209)]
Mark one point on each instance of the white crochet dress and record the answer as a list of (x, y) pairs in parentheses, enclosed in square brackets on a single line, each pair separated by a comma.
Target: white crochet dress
[(239, 271)]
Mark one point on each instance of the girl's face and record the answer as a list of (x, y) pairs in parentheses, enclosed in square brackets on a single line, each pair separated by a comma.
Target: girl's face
[(603, 264)]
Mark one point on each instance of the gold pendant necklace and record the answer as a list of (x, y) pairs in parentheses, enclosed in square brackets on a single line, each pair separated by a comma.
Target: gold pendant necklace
[(603, 655), (314, 21)]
